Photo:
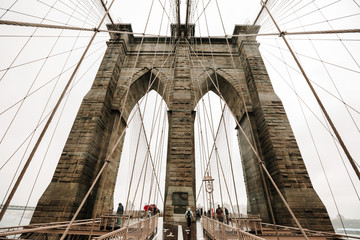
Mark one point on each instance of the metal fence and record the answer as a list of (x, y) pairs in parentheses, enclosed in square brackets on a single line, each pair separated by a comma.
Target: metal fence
[(218, 230), (140, 230)]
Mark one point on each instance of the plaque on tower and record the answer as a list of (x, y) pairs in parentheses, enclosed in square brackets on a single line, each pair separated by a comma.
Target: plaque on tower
[(180, 202)]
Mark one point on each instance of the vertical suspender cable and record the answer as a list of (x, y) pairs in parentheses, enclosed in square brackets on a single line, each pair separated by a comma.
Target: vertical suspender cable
[(351, 160), (178, 17), (188, 8)]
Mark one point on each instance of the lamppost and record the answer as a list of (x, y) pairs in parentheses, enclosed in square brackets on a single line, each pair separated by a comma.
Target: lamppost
[(209, 187)]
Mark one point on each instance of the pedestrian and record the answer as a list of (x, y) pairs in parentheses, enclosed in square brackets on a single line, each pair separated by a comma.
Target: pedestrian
[(219, 214), (197, 213), (151, 209), (120, 213), (146, 208), (188, 216), (155, 211), (227, 216)]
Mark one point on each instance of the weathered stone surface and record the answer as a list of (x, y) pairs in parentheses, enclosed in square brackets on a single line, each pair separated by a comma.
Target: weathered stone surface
[(182, 80)]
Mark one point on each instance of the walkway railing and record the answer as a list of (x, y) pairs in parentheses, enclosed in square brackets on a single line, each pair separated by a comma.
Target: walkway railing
[(218, 230), (249, 223), (6, 231), (140, 230)]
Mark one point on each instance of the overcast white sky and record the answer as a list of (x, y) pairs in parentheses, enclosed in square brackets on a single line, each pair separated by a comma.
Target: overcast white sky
[(15, 83)]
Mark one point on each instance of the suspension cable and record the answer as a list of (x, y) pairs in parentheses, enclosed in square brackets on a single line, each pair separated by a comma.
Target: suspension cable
[(315, 146), (46, 126), (43, 120), (251, 130), (317, 98), (57, 123), (36, 78), (313, 82), (257, 156)]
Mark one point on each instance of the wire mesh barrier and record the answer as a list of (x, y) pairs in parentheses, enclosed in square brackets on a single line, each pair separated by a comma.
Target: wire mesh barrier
[(35, 228), (140, 230), (249, 223), (311, 233), (218, 230), (111, 221)]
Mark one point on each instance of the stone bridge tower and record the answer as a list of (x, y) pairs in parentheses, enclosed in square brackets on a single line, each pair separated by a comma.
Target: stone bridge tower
[(98, 126)]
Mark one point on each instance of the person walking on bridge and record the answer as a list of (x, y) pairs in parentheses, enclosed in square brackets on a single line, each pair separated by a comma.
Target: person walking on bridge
[(219, 214), (120, 213), (188, 216), (227, 216)]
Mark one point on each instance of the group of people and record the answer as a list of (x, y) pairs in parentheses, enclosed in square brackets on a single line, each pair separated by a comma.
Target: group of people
[(151, 209), (219, 214)]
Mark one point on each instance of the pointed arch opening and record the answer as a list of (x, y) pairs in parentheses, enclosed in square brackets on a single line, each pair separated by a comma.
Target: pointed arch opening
[(142, 82), (225, 86), (217, 155), (140, 180)]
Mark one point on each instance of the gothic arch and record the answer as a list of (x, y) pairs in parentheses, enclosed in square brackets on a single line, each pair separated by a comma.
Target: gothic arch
[(228, 89), (143, 81), (228, 86)]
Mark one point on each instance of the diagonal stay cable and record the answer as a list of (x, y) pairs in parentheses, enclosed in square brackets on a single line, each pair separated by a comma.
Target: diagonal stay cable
[(58, 121), (8, 9), (329, 75), (47, 57), (343, 44), (321, 122), (32, 16), (312, 81), (312, 58), (309, 13), (327, 21), (46, 36), (265, 185), (24, 46), (65, 102), (302, 100), (157, 157), (45, 128), (350, 158), (51, 109), (157, 113), (316, 148), (63, 12), (37, 76), (48, 82), (256, 154), (39, 124)]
